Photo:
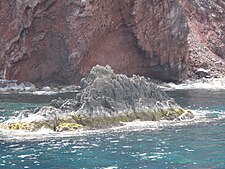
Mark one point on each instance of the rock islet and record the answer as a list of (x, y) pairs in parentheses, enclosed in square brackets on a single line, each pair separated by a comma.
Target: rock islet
[(106, 99)]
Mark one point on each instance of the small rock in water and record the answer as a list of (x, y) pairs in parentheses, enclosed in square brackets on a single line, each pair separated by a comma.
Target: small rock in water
[(46, 88), (14, 86), (202, 72), (186, 116)]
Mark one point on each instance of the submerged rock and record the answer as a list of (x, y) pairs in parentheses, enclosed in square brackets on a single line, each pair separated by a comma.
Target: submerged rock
[(105, 99)]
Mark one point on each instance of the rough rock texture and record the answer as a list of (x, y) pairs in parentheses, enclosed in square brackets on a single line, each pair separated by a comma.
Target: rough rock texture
[(12, 86), (206, 19), (106, 99), (60, 41)]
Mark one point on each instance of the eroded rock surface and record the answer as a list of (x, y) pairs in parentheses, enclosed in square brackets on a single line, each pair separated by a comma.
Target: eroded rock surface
[(106, 99), (60, 41), (206, 19)]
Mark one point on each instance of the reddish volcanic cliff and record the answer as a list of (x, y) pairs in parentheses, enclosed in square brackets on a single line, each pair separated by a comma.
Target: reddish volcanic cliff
[(50, 41), (54, 41), (206, 19)]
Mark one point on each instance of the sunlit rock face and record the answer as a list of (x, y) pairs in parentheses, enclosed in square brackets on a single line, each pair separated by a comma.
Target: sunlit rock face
[(60, 41), (106, 99), (206, 19)]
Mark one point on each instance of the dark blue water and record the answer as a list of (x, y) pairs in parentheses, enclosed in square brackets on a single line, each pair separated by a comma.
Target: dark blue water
[(199, 144)]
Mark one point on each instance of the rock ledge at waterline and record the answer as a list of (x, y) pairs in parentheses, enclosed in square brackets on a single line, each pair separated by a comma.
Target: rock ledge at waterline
[(106, 99)]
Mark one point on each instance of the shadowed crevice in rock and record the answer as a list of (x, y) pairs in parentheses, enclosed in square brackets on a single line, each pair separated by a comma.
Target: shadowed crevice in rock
[(106, 99)]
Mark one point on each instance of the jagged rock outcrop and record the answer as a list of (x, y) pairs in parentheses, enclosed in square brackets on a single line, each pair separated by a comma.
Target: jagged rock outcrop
[(60, 41), (206, 19), (106, 99)]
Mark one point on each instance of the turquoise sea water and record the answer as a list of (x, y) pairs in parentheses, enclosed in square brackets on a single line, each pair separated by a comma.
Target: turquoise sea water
[(196, 144)]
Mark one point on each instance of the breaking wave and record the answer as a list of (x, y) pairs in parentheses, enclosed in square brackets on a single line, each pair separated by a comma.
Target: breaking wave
[(210, 84)]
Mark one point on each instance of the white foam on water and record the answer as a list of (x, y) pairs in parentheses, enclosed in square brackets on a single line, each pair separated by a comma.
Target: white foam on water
[(111, 167), (210, 84), (25, 155), (137, 125), (30, 118), (44, 92)]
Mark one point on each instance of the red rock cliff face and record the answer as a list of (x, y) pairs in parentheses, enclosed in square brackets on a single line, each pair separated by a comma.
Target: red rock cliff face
[(50, 41), (206, 19)]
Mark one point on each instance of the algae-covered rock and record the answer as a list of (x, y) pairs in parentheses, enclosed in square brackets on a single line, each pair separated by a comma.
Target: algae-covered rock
[(106, 99), (68, 126)]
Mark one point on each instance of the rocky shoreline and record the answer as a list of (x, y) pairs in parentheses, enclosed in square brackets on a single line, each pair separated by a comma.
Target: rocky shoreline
[(193, 84), (198, 81), (105, 99), (15, 87)]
